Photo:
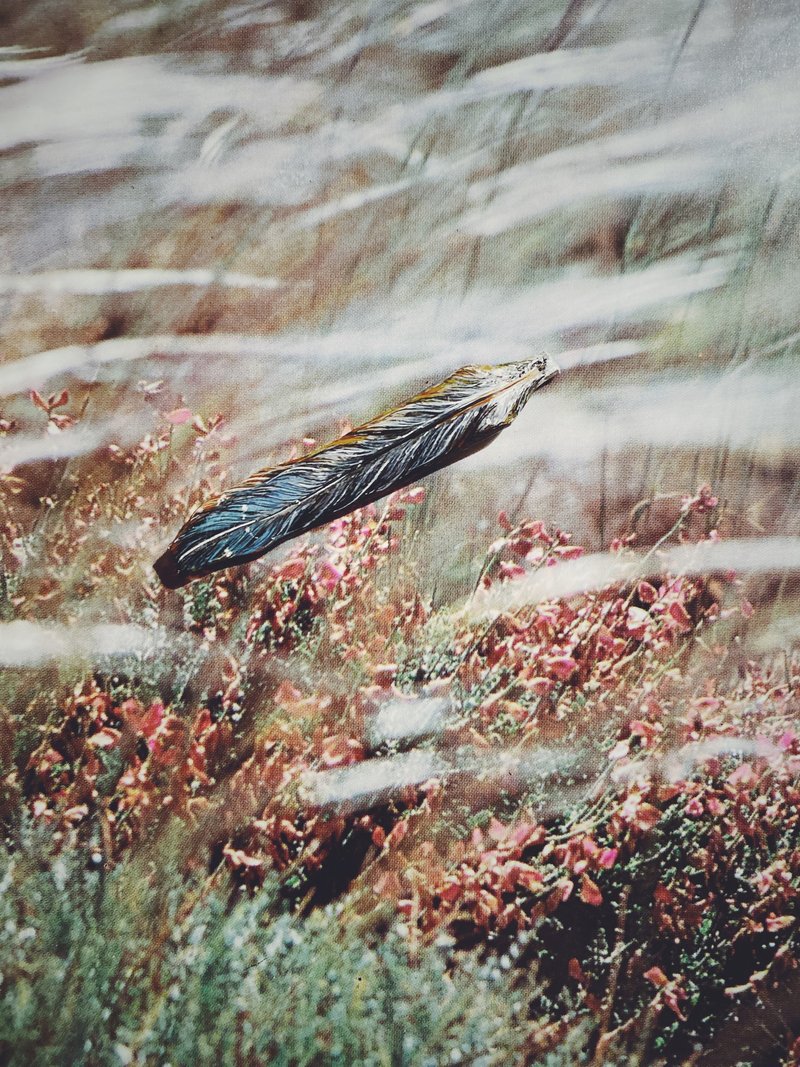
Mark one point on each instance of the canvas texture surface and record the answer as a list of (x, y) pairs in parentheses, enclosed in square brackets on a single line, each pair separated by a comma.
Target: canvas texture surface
[(399, 533)]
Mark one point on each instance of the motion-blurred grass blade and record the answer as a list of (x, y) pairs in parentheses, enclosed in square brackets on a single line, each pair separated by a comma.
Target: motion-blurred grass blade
[(437, 427)]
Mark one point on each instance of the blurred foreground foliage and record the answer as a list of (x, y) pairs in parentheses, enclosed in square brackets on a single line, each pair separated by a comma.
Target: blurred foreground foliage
[(140, 966)]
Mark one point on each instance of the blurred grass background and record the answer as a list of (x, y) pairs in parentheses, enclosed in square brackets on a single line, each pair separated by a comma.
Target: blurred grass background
[(380, 192)]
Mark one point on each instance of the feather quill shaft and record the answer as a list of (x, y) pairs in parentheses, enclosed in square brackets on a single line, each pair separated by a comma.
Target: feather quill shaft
[(439, 426)]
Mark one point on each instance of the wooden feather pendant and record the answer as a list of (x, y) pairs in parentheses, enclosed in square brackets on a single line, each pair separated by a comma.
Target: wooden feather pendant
[(439, 426)]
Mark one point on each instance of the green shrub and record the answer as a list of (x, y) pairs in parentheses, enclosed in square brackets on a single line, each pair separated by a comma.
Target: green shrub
[(131, 967)]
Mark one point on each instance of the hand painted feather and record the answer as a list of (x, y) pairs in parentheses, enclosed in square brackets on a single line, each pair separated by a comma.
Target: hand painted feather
[(437, 427)]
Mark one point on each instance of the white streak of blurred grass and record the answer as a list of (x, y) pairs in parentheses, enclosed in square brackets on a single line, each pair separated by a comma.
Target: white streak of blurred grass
[(570, 426), (34, 644), (679, 764), (83, 360), (744, 136), (641, 60), (106, 282), (365, 784), (567, 774), (483, 326), (17, 62), (118, 98), (404, 719), (763, 555), (375, 781), (76, 441)]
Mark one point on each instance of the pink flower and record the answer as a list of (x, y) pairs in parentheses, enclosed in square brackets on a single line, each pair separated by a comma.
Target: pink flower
[(539, 686), (701, 502), (563, 667), (647, 731), (787, 740), (569, 551), (656, 976), (680, 615), (774, 923), (744, 776), (330, 575), (590, 891), (511, 570), (291, 569), (413, 496), (178, 416), (537, 531), (648, 594), (497, 830)]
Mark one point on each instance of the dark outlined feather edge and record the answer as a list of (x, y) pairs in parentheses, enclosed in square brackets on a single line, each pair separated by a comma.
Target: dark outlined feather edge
[(437, 427)]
